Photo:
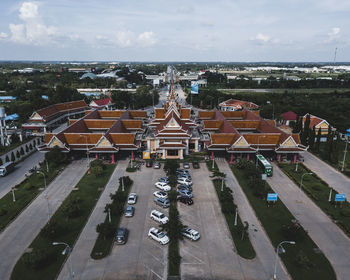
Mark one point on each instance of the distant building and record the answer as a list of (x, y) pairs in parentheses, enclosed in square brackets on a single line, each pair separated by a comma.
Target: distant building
[(101, 104), (289, 116), (237, 105)]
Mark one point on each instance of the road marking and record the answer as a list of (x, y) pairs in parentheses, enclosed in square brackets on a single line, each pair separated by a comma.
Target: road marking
[(152, 272), (198, 259)]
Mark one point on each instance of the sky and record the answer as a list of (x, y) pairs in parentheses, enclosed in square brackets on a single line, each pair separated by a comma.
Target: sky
[(181, 30)]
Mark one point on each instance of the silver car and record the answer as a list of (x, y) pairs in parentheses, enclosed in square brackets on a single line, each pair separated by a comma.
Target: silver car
[(129, 211)]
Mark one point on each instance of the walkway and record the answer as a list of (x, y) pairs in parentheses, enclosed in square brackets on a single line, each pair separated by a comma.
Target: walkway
[(83, 247), (265, 252), (328, 237), (16, 238), (327, 173)]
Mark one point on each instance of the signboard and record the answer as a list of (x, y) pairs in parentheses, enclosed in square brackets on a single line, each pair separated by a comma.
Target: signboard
[(146, 155), (339, 197), (156, 82), (272, 197), (194, 87)]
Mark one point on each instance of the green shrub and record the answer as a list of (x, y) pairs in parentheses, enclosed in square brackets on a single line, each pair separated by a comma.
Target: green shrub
[(18, 154), (21, 151), (72, 208), (39, 258), (302, 260), (97, 170), (1, 161), (3, 212), (55, 156), (106, 229), (52, 230), (317, 187), (97, 162), (28, 186), (27, 149), (7, 158), (345, 212)]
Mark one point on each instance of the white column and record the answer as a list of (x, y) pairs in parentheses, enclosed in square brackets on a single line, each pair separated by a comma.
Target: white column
[(148, 145), (187, 143), (196, 145), (163, 153), (181, 154)]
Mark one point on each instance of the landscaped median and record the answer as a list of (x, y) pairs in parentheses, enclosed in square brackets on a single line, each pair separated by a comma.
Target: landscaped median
[(319, 191), (107, 229), (28, 190), (303, 260), (43, 260), (239, 232)]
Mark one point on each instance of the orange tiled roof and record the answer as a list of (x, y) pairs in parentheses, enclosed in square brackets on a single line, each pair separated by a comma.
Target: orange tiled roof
[(122, 138), (262, 139), (111, 114), (234, 114), (83, 139), (223, 138), (99, 124), (242, 124), (186, 113), (159, 113), (213, 124), (132, 124), (206, 114), (48, 137), (138, 114)]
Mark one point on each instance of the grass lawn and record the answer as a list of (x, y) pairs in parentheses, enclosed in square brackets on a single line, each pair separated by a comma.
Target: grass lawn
[(302, 260), (9, 210), (62, 229), (244, 247), (103, 245), (318, 191)]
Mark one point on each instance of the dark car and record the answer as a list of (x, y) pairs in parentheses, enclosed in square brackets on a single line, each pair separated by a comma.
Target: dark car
[(185, 200), (121, 236), (149, 163), (195, 165), (184, 187), (186, 165)]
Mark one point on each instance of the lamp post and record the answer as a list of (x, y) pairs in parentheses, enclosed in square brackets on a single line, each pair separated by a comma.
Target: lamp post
[(346, 148), (67, 250), (45, 194), (273, 109), (301, 184), (212, 167), (13, 195), (277, 251), (222, 182)]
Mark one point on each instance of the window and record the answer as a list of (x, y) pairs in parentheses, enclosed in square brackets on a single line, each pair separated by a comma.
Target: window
[(172, 152), (191, 146)]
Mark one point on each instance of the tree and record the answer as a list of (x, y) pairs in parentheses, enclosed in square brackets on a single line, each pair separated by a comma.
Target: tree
[(97, 170), (106, 229), (55, 156), (306, 129), (30, 146), (21, 151), (7, 158), (18, 155), (27, 149), (312, 138), (13, 158), (14, 138), (297, 126), (1, 161), (318, 140)]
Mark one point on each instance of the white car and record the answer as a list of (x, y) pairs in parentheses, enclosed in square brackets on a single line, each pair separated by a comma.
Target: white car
[(132, 198), (184, 181), (158, 236), (160, 194), (159, 217), (163, 186), (190, 233)]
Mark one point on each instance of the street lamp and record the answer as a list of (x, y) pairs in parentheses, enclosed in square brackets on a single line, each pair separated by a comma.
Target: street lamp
[(346, 148), (301, 184), (45, 194), (273, 109), (222, 181), (67, 250), (277, 251)]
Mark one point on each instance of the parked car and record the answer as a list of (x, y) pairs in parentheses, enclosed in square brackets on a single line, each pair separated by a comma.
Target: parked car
[(184, 181), (185, 193), (132, 198), (186, 165), (158, 236), (157, 165), (159, 217), (162, 202), (149, 163), (160, 194), (182, 171), (190, 233), (196, 165), (164, 179), (185, 176), (163, 186), (184, 187), (122, 235), (129, 211), (184, 199)]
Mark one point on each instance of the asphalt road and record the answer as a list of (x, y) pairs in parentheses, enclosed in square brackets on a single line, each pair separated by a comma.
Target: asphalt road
[(214, 255), (327, 173), (18, 175), (265, 252), (15, 239), (326, 234)]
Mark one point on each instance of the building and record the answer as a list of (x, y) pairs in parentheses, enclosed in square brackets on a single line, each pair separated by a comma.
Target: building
[(102, 104), (48, 118), (237, 105), (318, 123), (245, 133), (288, 117)]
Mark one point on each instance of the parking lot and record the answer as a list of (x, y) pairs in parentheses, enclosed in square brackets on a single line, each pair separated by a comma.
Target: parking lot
[(141, 257), (213, 255)]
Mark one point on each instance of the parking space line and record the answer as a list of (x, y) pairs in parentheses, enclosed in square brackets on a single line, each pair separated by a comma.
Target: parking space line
[(152, 272), (198, 259)]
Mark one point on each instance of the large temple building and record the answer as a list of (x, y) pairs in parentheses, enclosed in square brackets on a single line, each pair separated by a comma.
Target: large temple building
[(173, 132)]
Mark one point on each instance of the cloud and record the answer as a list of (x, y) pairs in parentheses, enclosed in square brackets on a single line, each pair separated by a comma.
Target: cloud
[(147, 38), (262, 39), (125, 38), (333, 35), (32, 30), (3, 35)]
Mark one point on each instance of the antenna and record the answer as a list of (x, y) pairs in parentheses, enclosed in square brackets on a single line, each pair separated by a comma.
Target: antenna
[(335, 54)]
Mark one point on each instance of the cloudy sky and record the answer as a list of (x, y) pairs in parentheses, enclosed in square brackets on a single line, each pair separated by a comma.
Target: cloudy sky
[(181, 30)]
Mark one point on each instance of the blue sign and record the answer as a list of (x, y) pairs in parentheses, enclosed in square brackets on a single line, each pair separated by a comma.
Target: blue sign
[(348, 132), (194, 87), (272, 197), (340, 197)]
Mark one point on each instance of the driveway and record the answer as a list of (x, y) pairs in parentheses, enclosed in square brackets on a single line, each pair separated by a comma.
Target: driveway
[(83, 247), (17, 176), (214, 255), (327, 173), (16, 238), (140, 258), (265, 252), (328, 237)]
